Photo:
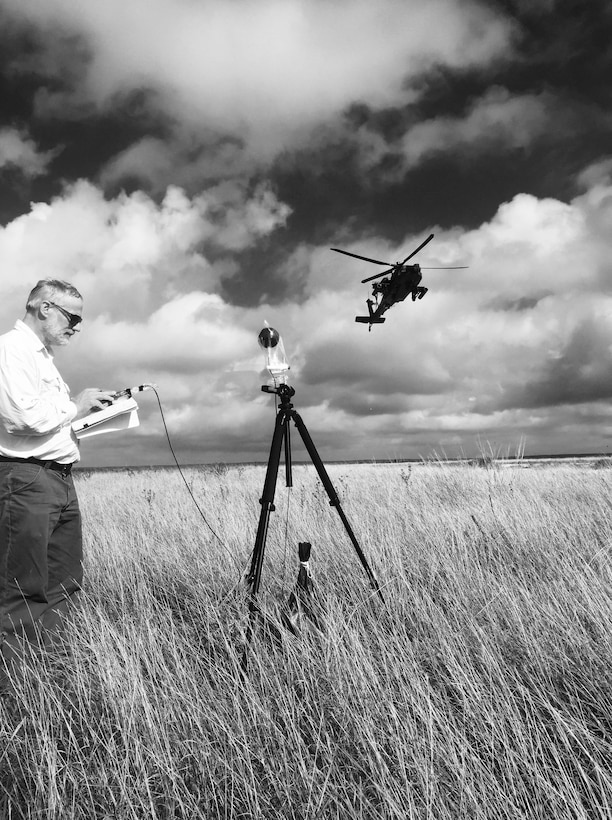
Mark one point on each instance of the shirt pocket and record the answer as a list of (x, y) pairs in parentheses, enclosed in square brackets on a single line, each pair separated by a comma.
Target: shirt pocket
[(50, 385)]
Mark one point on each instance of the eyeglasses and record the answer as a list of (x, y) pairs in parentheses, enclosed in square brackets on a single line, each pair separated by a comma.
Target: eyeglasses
[(73, 319)]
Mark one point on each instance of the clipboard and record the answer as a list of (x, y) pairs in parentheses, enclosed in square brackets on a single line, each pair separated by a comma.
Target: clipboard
[(122, 414)]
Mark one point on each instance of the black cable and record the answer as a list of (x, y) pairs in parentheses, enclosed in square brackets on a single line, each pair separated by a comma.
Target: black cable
[(178, 466)]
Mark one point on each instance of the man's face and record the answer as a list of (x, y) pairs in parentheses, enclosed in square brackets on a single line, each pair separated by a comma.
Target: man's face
[(58, 327)]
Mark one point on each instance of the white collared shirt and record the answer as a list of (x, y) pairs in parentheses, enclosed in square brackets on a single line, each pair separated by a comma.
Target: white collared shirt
[(35, 407)]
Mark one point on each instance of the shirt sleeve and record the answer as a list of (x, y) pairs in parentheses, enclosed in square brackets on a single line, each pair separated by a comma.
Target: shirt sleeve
[(29, 403)]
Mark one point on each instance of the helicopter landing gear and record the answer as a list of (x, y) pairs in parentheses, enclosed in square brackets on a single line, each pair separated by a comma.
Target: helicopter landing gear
[(418, 293)]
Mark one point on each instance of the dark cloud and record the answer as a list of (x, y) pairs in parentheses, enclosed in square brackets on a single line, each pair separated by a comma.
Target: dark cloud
[(580, 373), (515, 305), (358, 402), (563, 44), (377, 380)]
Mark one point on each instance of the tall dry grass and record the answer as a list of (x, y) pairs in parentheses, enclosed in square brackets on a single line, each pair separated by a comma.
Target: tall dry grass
[(481, 689)]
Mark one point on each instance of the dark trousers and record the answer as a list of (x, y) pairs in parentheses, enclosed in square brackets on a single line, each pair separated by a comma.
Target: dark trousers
[(40, 555)]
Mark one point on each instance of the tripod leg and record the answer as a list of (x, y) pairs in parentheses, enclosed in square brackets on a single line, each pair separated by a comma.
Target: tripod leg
[(267, 506), (288, 467), (267, 501), (333, 496)]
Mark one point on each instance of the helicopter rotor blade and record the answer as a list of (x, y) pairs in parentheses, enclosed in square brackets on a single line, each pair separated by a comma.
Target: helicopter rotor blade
[(422, 245), (356, 255), (377, 276), (451, 267)]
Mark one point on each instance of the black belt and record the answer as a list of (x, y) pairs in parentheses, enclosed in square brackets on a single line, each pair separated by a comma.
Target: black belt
[(47, 465)]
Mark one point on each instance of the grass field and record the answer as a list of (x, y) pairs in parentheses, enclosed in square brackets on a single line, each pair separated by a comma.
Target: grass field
[(481, 689)]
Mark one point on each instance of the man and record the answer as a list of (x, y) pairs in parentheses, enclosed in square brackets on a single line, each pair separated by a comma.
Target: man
[(40, 522)]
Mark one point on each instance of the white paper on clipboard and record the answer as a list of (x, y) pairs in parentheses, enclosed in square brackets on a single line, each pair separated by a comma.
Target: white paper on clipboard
[(122, 414)]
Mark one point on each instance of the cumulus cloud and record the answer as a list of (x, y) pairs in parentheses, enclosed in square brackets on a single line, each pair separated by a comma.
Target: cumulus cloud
[(129, 252), (597, 174), (182, 158), (496, 119), (18, 151)]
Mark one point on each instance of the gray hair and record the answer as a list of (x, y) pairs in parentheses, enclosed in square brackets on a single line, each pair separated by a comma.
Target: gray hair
[(47, 290)]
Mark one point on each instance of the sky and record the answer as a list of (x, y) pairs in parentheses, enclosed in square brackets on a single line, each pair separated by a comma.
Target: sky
[(189, 164)]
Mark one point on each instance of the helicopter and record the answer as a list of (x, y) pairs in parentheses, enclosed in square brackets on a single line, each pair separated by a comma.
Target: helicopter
[(405, 279)]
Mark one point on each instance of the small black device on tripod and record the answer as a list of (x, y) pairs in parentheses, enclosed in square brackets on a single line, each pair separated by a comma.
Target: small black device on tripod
[(281, 441)]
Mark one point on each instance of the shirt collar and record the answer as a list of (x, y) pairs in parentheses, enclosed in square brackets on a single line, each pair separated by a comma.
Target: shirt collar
[(33, 340)]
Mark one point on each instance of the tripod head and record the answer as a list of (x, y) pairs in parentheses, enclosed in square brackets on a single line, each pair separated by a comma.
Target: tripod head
[(285, 391)]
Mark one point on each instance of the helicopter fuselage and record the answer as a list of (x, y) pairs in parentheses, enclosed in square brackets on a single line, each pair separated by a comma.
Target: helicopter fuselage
[(404, 280)]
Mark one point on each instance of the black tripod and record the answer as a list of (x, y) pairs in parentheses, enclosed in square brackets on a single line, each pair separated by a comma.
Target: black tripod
[(282, 436)]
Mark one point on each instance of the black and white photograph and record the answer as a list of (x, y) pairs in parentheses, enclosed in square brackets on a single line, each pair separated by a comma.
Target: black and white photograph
[(305, 409)]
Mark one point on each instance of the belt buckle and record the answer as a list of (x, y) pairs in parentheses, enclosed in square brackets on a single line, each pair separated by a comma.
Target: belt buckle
[(62, 469)]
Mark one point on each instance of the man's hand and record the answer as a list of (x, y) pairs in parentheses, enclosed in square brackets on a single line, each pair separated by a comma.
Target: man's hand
[(90, 399)]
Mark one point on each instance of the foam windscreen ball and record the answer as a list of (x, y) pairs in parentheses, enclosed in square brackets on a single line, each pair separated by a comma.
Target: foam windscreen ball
[(268, 337)]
